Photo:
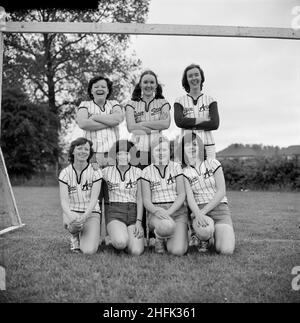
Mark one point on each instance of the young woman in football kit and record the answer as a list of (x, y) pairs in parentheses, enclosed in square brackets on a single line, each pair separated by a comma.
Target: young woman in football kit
[(79, 186), (147, 115), (124, 211), (163, 197), (206, 196), (99, 118), (196, 111)]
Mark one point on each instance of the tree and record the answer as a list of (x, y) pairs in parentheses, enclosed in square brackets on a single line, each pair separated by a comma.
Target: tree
[(55, 68), (28, 137)]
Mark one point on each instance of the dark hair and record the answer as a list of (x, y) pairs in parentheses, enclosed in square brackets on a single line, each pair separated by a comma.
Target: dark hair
[(185, 82), (123, 145), (95, 80), (78, 142), (184, 140), (137, 92)]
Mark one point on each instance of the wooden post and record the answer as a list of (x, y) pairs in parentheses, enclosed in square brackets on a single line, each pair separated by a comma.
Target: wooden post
[(5, 186)]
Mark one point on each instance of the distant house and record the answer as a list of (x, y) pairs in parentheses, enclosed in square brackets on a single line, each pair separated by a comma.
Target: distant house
[(242, 152), (291, 152)]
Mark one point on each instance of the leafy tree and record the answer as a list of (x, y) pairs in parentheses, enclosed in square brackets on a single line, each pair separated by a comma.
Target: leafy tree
[(55, 68), (28, 134)]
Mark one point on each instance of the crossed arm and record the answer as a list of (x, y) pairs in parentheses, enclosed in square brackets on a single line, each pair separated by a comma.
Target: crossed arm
[(212, 123), (143, 127), (98, 122)]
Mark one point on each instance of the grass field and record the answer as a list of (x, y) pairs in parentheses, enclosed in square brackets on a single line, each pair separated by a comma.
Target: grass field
[(40, 267)]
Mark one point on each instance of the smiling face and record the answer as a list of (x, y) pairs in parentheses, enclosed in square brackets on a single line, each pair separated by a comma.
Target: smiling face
[(123, 158), (194, 78), (81, 153), (161, 153), (100, 90), (148, 85), (193, 151)]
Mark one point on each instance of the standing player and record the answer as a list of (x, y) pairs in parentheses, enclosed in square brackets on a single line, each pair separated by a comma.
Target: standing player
[(100, 119), (196, 112), (163, 196), (79, 187), (206, 195), (147, 114), (123, 213)]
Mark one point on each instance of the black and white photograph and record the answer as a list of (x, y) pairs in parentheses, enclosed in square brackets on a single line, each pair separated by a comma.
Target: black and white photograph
[(150, 155)]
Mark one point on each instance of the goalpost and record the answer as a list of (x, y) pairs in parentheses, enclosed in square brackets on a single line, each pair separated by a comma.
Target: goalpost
[(115, 28)]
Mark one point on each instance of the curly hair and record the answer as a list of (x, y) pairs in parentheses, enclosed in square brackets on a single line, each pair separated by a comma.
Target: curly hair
[(95, 80)]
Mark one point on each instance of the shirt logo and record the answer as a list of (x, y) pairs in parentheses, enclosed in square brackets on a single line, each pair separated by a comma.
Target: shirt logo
[(187, 111), (202, 108), (208, 173), (130, 184), (171, 180), (85, 187), (155, 111), (72, 189), (154, 184), (193, 180), (112, 186)]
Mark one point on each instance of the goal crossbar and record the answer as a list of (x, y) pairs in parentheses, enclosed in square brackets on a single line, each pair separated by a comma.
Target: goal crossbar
[(150, 29)]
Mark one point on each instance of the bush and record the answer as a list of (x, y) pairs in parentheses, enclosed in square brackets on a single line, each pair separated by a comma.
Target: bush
[(262, 173)]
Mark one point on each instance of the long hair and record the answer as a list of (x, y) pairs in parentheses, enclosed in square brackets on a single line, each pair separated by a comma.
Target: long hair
[(95, 80), (187, 138), (185, 82), (79, 142), (137, 92)]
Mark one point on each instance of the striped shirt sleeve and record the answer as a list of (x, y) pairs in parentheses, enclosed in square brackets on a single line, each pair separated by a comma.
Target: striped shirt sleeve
[(83, 105), (139, 173), (129, 104), (97, 175), (63, 178), (214, 164), (178, 169), (145, 174), (115, 104)]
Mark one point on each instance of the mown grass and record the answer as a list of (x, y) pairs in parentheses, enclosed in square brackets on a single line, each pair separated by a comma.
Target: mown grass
[(40, 267)]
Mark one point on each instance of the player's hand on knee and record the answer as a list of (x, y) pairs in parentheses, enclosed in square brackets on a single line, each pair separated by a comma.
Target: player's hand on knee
[(162, 214), (200, 220), (138, 230)]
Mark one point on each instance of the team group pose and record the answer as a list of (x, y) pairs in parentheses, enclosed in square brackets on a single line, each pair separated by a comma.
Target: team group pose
[(180, 202)]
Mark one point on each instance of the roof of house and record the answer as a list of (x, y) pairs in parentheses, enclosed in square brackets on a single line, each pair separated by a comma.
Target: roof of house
[(239, 150)]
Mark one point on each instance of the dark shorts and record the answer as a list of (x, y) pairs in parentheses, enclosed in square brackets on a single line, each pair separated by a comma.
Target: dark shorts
[(124, 212), (220, 214)]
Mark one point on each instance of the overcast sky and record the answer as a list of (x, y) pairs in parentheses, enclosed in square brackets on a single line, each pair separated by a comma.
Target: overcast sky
[(256, 82)]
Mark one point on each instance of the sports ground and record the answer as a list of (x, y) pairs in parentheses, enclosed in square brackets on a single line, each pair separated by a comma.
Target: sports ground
[(40, 267)]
